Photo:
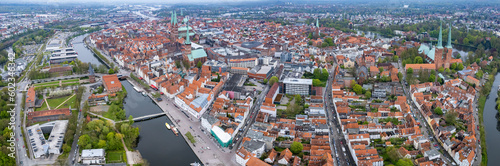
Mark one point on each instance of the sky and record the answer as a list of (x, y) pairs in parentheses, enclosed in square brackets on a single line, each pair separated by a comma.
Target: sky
[(125, 1)]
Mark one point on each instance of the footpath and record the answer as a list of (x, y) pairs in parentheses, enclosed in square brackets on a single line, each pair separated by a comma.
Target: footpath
[(205, 147)]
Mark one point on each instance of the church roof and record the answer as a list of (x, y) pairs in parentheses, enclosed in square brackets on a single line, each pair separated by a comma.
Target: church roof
[(195, 54)]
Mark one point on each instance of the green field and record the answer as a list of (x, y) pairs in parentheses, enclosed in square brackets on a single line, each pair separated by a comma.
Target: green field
[(71, 80), (56, 83), (115, 156), (53, 103)]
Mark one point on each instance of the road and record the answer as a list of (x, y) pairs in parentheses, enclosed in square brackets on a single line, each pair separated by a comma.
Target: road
[(417, 115), (337, 140), (21, 155), (249, 121)]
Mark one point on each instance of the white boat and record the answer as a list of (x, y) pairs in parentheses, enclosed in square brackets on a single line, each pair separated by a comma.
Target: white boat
[(137, 89), (144, 93), (195, 164), (168, 126), (176, 132)]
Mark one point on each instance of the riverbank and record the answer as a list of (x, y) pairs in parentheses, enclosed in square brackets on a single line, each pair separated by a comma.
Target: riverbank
[(97, 53), (481, 104), (205, 148)]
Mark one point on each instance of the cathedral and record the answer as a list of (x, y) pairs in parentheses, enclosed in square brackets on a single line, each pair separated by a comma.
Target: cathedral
[(174, 46), (438, 56), (442, 56), (179, 45)]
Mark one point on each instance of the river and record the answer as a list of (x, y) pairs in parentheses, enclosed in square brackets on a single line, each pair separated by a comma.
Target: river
[(157, 144), (84, 54), (491, 125)]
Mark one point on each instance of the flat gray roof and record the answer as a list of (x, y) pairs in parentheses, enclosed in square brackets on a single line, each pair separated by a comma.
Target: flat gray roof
[(297, 81)]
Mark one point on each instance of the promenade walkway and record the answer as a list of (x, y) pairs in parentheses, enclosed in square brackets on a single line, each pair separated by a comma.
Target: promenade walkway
[(206, 148)]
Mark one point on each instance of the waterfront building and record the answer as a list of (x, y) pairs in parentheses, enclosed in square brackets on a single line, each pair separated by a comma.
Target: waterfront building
[(111, 83), (221, 136), (93, 156)]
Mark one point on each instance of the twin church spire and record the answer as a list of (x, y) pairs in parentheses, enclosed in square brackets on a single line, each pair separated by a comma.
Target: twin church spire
[(440, 39)]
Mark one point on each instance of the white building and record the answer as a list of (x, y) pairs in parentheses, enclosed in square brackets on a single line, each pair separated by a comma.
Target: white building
[(295, 86), (93, 156)]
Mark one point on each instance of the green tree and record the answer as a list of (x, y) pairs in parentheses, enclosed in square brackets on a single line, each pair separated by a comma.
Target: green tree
[(479, 74), (296, 147), (199, 64), (441, 69), (298, 99), (460, 66), (453, 66), (84, 140), (409, 71), (324, 75), (395, 58), (450, 117), (368, 94), (432, 78), (324, 44), (404, 162), (111, 71), (438, 111), (358, 89), (265, 80), (400, 75), (392, 154), (317, 83), (273, 80), (448, 70), (419, 60), (101, 144), (465, 41), (380, 69), (317, 73)]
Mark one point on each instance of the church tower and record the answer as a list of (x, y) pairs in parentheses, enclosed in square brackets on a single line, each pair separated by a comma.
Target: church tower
[(187, 45), (438, 54), (175, 27), (442, 56), (449, 48), (317, 28)]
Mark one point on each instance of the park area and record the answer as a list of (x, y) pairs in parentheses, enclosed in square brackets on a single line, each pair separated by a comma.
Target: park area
[(59, 83), (115, 157), (58, 103)]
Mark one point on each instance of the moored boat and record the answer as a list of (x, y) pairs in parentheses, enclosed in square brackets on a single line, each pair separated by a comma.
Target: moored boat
[(168, 126), (195, 164), (176, 132)]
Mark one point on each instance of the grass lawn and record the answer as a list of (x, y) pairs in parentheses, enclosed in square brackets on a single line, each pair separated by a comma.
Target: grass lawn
[(71, 80), (48, 83), (53, 103), (65, 82), (115, 156)]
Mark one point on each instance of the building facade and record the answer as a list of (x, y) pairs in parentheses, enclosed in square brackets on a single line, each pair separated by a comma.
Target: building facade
[(294, 86)]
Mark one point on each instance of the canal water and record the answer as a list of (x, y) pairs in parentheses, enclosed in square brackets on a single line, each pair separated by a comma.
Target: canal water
[(84, 54), (491, 124), (157, 144)]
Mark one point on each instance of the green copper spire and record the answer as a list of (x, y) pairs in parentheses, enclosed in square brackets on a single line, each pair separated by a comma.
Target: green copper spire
[(317, 24), (187, 35), (181, 13), (175, 17), (449, 38), (171, 18), (440, 39)]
